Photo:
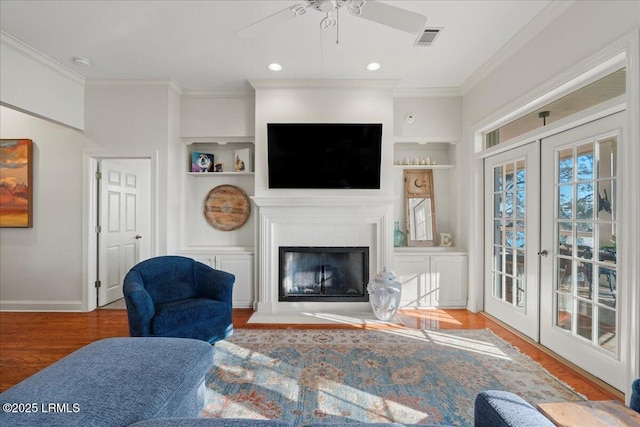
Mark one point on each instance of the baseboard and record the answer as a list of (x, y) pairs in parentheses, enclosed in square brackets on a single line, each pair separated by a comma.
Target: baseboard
[(63, 306)]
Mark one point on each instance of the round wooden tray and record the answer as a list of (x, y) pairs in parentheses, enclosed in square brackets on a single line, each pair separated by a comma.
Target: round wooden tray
[(227, 207)]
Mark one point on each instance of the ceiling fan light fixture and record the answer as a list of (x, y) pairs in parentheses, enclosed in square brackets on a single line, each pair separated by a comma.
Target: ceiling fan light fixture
[(374, 66), (374, 11), (327, 5), (275, 67)]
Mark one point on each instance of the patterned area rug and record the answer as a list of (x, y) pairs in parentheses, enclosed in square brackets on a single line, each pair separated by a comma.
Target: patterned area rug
[(406, 376)]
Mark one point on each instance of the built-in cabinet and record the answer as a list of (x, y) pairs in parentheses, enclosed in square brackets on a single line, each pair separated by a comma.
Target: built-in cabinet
[(231, 251), (431, 278), (239, 263), (437, 276)]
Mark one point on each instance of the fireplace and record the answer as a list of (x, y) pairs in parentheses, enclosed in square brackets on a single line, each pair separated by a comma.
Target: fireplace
[(323, 273)]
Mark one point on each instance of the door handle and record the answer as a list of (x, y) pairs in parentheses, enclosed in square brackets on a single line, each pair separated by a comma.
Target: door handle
[(138, 236), (543, 253)]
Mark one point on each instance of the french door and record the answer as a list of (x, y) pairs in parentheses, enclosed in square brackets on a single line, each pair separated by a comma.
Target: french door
[(512, 222), (580, 291)]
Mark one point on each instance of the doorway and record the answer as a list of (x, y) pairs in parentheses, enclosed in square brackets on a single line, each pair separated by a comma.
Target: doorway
[(551, 265), (580, 311), (512, 187), (120, 199)]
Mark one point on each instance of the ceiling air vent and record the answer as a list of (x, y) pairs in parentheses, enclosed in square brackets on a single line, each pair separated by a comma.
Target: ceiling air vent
[(428, 36)]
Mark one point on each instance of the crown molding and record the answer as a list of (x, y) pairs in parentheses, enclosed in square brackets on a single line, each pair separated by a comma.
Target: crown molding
[(219, 93), (426, 92), (169, 84), (324, 84), (524, 36), (26, 50)]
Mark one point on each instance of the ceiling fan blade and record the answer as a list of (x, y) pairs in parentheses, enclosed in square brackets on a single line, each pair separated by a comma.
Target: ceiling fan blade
[(392, 16), (265, 24)]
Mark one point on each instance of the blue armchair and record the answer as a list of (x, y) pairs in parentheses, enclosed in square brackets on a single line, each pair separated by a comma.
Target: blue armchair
[(173, 296), (634, 402)]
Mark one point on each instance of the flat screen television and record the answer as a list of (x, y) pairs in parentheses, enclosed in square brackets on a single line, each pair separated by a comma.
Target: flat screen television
[(324, 155)]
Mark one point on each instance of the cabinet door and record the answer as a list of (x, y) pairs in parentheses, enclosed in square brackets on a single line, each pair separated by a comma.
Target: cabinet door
[(240, 265), (413, 273), (448, 280)]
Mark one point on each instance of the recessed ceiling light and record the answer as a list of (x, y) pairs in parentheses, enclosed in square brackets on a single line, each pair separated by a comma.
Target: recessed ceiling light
[(275, 67), (373, 66), (81, 61)]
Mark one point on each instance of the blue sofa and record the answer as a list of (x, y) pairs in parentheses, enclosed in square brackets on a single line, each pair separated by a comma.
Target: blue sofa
[(113, 382), (174, 296)]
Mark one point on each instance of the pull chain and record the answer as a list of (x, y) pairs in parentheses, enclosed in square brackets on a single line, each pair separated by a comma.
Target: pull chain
[(337, 26)]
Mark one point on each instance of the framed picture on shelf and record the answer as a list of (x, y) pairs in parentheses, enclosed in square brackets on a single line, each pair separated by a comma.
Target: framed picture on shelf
[(219, 167), (16, 177), (242, 160), (201, 162)]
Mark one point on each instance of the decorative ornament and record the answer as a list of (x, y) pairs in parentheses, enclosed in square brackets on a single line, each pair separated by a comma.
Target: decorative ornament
[(399, 238), (227, 207), (384, 295)]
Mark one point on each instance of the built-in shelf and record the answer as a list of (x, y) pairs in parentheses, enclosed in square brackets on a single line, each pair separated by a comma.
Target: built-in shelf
[(210, 174), (223, 150), (219, 140), (429, 250)]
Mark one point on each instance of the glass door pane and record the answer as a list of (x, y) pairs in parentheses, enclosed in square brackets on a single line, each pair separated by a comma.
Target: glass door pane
[(509, 219), (585, 241)]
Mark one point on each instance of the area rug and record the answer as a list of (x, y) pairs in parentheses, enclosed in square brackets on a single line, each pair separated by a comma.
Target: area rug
[(398, 375)]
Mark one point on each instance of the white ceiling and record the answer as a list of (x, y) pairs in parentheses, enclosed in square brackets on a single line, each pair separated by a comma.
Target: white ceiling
[(194, 42)]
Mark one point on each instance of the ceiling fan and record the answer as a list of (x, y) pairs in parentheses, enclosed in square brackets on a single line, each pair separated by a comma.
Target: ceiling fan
[(381, 13)]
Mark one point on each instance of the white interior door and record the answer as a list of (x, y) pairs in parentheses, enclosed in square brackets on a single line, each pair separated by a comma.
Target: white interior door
[(119, 248), (512, 208), (580, 315)]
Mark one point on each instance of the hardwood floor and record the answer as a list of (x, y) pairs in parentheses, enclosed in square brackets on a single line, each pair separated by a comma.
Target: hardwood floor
[(30, 342)]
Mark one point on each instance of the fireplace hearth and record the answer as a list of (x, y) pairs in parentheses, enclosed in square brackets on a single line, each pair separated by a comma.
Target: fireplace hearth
[(323, 273)]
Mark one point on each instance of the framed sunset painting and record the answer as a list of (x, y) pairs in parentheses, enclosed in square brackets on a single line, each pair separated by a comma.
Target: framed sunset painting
[(16, 183)]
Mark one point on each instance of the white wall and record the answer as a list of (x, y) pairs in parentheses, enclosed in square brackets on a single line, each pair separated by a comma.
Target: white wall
[(436, 117), (34, 83), (213, 114), (175, 174), (40, 267)]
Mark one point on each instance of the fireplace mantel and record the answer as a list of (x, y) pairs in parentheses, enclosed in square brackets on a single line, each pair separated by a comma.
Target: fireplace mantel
[(344, 201), (318, 221)]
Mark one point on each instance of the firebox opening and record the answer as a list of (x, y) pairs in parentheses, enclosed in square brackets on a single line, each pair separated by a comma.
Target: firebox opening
[(324, 273)]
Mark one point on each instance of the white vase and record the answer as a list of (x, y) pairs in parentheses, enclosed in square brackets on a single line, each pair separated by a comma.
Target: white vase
[(384, 295)]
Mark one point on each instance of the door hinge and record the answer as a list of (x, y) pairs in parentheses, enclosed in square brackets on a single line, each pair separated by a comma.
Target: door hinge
[(98, 229), (98, 283), (98, 175)]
